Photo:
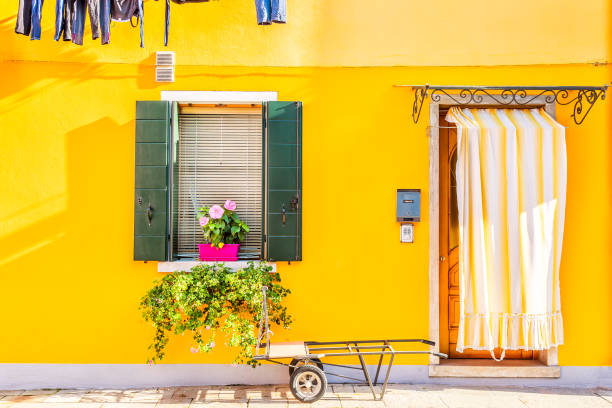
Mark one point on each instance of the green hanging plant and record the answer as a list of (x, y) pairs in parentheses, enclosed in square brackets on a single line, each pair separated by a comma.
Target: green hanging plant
[(213, 297)]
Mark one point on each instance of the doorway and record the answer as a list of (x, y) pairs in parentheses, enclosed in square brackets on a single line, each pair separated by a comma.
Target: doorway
[(449, 251)]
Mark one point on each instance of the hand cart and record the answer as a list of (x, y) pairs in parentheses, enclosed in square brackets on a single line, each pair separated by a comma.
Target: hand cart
[(308, 380)]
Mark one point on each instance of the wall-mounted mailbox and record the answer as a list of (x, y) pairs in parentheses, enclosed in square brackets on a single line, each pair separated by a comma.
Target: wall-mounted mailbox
[(408, 204)]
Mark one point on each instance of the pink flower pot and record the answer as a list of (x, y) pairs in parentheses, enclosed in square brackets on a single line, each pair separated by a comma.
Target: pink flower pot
[(229, 252)]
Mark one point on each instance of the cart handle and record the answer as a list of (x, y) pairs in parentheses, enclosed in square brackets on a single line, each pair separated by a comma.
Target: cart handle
[(264, 324)]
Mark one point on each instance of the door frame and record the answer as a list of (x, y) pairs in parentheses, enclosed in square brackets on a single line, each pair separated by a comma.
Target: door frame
[(546, 357)]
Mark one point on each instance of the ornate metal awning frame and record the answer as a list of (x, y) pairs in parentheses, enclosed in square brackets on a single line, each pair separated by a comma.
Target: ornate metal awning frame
[(583, 98)]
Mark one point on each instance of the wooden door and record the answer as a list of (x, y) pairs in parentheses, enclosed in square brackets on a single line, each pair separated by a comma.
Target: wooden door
[(449, 253)]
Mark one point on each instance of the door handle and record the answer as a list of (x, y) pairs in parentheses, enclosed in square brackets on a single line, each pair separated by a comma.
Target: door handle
[(149, 214), (442, 258), (284, 212), (295, 203)]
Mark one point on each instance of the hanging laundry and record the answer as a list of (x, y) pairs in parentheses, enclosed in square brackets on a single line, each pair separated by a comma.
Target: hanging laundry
[(63, 20), (78, 26), (167, 28), (70, 20), (271, 11), (29, 15), (105, 20), (125, 10)]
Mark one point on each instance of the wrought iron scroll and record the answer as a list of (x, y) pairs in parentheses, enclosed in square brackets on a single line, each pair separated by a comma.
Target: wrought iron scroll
[(583, 98)]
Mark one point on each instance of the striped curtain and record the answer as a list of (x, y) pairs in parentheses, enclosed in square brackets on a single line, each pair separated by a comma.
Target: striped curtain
[(511, 185)]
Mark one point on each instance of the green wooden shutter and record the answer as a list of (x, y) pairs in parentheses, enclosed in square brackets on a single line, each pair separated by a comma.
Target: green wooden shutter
[(283, 181), (151, 199)]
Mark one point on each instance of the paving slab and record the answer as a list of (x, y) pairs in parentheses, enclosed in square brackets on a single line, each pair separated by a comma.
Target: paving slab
[(54, 405), (534, 397), (465, 397), (343, 388), (361, 403), (216, 404), (604, 393), (61, 397), (102, 396), (147, 396), (413, 396), (22, 399), (173, 403), (268, 404), (39, 392)]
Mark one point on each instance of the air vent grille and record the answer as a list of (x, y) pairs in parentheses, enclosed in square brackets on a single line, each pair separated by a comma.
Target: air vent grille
[(164, 58), (164, 74), (164, 70)]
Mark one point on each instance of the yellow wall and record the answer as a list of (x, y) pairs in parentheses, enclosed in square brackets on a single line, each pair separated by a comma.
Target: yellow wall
[(345, 33), (70, 291)]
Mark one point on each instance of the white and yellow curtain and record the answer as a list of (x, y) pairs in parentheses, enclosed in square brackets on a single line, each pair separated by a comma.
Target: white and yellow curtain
[(511, 185)]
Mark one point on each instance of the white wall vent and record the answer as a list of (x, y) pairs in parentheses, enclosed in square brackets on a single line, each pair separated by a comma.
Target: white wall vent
[(164, 66), (164, 74)]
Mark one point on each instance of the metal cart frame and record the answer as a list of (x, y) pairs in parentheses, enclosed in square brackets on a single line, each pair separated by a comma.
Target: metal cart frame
[(311, 352)]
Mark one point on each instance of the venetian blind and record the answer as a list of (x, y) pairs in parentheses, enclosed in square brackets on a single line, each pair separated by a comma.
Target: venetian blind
[(219, 158)]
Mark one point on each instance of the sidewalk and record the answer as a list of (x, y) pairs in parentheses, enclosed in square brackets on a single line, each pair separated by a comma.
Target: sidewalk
[(338, 395)]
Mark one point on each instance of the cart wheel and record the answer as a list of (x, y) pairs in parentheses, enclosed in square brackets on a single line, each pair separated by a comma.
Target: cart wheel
[(308, 383), (297, 362)]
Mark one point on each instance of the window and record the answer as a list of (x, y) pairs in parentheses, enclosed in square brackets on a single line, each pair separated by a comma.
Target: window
[(219, 158), (202, 155)]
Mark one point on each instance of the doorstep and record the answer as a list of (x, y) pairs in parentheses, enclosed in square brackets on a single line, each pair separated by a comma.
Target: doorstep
[(177, 266), (482, 368)]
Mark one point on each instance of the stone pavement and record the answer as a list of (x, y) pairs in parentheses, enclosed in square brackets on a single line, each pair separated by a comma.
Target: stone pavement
[(338, 395)]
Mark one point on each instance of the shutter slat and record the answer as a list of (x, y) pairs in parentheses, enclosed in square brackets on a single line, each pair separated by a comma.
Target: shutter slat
[(219, 158)]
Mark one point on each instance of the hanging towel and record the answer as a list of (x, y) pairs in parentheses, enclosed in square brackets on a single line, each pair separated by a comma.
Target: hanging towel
[(511, 187)]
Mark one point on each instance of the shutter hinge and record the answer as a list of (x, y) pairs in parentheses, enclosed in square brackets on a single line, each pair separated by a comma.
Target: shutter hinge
[(265, 238)]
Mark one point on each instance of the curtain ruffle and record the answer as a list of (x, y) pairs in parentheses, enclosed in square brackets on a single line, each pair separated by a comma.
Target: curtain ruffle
[(521, 331)]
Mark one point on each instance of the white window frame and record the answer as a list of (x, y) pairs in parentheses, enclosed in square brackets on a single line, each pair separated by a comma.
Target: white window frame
[(209, 97), (218, 96)]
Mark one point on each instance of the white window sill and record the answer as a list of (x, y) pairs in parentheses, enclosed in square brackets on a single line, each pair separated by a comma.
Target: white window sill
[(186, 266), (482, 368)]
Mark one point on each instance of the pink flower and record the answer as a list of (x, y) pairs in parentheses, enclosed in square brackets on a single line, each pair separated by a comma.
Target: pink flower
[(194, 350), (212, 344), (203, 221), (230, 205), (207, 327), (150, 362), (216, 212)]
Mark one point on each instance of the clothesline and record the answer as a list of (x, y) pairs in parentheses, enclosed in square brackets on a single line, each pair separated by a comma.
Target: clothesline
[(70, 17)]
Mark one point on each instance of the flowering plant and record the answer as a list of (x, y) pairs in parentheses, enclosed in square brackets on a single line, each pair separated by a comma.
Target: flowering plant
[(221, 225), (213, 297)]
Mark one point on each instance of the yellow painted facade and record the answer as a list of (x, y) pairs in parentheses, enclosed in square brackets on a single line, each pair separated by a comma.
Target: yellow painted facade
[(69, 288)]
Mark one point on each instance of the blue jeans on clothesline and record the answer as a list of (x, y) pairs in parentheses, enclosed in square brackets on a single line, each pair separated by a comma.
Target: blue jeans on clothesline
[(28, 18), (271, 11)]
